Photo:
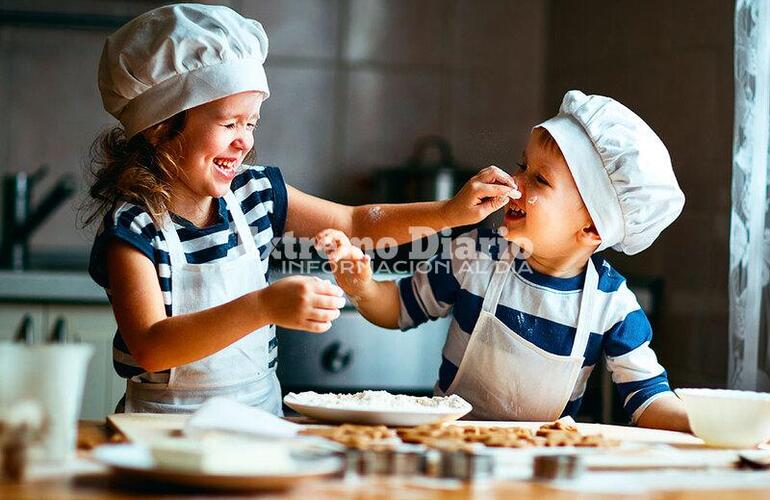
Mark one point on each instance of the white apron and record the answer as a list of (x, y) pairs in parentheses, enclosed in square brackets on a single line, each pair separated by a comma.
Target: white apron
[(239, 371), (506, 377)]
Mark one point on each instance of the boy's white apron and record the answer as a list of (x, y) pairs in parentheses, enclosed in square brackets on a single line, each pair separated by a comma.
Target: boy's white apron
[(506, 377), (239, 371)]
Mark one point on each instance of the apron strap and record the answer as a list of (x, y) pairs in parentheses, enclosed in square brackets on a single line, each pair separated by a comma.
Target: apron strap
[(502, 268), (240, 224), (587, 299), (175, 251)]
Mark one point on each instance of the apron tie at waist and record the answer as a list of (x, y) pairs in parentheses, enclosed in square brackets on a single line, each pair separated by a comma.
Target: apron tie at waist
[(158, 398)]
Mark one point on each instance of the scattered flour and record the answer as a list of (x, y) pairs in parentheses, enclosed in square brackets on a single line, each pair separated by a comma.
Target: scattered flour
[(375, 213), (380, 401)]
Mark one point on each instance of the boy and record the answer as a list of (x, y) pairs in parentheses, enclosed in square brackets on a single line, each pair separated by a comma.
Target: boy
[(528, 328)]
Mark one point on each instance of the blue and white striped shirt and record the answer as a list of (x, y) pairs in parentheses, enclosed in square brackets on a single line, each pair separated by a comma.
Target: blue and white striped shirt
[(261, 192), (540, 308)]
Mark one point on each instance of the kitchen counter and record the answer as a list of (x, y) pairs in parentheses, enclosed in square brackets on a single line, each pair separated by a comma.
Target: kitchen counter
[(77, 287), (50, 287), (95, 482)]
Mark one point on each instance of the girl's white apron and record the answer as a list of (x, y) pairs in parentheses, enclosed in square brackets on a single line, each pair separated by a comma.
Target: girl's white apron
[(239, 371), (506, 377)]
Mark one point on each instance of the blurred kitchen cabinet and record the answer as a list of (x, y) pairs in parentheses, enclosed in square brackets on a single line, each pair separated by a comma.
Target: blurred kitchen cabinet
[(11, 316), (95, 325)]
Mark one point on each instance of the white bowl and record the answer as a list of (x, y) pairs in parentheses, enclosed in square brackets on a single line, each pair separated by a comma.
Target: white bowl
[(728, 418)]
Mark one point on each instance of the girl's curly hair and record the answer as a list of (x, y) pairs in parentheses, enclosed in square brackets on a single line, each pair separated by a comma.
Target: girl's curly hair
[(137, 170)]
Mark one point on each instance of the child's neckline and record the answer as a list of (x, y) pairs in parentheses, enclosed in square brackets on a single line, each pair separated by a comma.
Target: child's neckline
[(220, 221), (528, 273)]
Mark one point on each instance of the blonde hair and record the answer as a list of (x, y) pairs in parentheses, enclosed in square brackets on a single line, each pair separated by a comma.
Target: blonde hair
[(137, 170), (546, 140)]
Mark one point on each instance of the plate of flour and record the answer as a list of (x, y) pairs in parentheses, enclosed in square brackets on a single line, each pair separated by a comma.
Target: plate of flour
[(378, 407)]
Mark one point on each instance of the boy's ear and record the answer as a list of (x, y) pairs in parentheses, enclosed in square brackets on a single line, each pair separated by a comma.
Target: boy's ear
[(589, 236)]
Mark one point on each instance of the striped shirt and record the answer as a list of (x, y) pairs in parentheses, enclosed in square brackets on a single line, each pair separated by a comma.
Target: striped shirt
[(540, 308), (261, 192)]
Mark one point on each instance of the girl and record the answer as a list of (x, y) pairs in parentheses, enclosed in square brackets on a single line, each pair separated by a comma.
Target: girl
[(184, 242)]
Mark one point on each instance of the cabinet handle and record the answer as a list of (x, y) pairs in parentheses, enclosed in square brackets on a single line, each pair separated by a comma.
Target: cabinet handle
[(60, 333), (24, 332)]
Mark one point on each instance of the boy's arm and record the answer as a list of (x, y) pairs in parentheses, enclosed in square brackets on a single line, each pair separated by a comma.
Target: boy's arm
[(666, 412), (379, 303), (485, 193), (641, 381), (428, 293)]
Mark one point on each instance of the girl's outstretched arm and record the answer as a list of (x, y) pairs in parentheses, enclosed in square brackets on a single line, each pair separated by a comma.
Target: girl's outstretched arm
[(485, 193)]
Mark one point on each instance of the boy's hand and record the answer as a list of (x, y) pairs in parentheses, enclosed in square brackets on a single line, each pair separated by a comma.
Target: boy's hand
[(486, 192), (351, 266), (303, 303)]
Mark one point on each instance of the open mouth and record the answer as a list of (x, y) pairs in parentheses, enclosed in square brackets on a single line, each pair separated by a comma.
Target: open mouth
[(227, 167), (515, 213)]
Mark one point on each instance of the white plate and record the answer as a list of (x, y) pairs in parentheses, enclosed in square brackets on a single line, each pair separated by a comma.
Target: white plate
[(377, 417), (134, 461)]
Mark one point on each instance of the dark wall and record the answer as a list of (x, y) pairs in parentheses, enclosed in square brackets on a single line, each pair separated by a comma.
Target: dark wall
[(353, 84), (671, 62)]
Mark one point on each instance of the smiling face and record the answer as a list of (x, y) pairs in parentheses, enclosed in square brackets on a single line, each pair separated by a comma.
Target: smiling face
[(216, 138), (550, 219)]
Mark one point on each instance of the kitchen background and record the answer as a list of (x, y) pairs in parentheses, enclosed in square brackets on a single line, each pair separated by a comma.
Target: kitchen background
[(355, 82)]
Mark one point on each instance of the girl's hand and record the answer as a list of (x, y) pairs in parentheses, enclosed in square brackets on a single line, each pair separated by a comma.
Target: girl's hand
[(351, 266), (484, 193), (303, 303)]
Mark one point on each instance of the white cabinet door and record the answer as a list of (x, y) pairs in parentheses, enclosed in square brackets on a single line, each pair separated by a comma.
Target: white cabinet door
[(12, 314), (95, 325)]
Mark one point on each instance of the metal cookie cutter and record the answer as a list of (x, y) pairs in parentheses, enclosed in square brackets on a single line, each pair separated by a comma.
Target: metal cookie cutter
[(466, 465), (410, 460), (550, 467), (376, 461), (402, 460)]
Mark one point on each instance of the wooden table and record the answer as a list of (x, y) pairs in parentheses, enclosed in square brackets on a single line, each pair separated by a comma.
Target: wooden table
[(101, 484)]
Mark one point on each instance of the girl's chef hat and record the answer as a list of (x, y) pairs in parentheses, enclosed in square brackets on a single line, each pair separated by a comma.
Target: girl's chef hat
[(621, 168), (177, 57)]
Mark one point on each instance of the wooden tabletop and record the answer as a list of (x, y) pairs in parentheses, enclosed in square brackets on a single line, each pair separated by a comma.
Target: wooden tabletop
[(100, 484)]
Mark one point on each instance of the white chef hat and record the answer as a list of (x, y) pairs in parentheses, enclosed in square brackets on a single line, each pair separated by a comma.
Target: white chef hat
[(621, 168), (177, 57)]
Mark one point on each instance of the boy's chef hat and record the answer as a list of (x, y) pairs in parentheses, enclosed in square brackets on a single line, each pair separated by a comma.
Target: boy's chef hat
[(621, 168), (177, 57)]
